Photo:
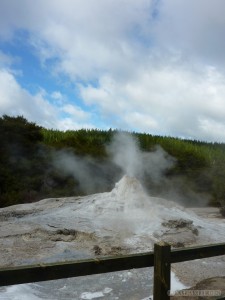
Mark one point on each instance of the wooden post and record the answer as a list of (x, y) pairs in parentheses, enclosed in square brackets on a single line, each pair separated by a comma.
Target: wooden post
[(161, 286)]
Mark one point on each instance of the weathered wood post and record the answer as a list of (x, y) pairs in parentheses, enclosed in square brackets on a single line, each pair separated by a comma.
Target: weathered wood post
[(161, 286)]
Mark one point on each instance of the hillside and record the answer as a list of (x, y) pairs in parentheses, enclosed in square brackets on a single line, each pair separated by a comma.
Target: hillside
[(37, 163)]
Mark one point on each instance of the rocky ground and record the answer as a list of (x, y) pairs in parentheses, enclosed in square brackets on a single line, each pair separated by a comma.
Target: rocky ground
[(207, 289), (123, 221)]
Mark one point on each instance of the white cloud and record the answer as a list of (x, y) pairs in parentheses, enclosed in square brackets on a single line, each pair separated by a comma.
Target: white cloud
[(15, 100), (73, 124), (194, 28), (76, 112), (88, 37), (166, 101), (211, 129), (5, 60), (117, 36), (147, 65), (57, 95), (141, 121)]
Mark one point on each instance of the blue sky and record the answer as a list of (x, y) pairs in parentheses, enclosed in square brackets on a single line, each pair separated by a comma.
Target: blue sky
[(138, 65)]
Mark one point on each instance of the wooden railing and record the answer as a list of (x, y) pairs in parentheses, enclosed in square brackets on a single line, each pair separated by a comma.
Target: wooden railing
[(161, 259)]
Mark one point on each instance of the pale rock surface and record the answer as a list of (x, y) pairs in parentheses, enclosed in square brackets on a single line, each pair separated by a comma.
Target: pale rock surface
[(125, 220)]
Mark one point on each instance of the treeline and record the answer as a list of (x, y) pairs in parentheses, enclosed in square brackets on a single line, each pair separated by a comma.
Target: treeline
[(27, 171)]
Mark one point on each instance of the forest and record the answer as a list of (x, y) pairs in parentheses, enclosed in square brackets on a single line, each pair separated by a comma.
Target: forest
[(32, 161)]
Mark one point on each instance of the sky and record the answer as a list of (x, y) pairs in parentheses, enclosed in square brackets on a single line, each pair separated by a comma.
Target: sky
[(153, 66)]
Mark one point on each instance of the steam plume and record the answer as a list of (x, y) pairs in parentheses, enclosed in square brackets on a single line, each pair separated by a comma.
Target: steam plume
[(125, 158), (126, 153)]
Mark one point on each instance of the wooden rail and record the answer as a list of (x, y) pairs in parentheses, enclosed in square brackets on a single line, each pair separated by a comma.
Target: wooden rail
[(43, 272), (161, 259)]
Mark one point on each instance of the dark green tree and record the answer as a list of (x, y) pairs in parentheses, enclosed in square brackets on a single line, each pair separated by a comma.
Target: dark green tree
[(20, 159)]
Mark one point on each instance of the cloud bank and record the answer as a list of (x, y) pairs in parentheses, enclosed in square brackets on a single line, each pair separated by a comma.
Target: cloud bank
[(150, 65)]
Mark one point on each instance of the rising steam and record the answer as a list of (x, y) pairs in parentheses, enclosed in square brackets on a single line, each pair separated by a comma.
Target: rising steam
[(125, 158), (126, 153)]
